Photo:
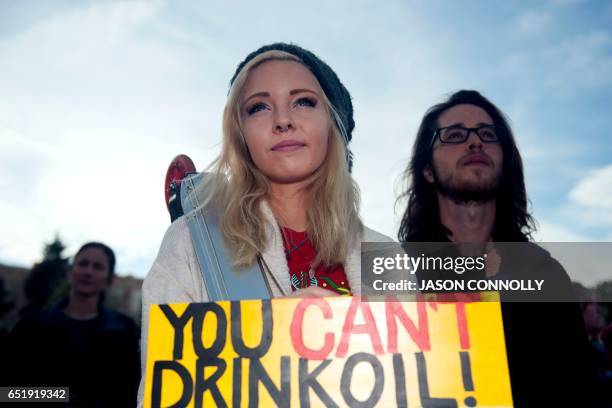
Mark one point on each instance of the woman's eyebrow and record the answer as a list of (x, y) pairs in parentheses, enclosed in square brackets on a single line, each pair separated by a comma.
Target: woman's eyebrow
[(300, 90), (263, 94)]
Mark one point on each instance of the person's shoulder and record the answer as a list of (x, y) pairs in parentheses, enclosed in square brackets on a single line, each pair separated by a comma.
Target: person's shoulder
[(176, 247), (176, 233), (120, 320), (38, 320), (28, 323), (175, 274), (537, 255), (532, 261), (121, 317), (370, 235)]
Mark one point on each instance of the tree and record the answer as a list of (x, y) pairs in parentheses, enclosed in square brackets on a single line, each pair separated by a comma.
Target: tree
[(5, 303), (46, 277)]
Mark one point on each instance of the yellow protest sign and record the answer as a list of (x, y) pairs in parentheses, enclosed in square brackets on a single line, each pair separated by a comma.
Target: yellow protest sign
[(327, 352)]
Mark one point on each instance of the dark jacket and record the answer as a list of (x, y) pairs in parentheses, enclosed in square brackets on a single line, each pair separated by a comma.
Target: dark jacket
[(97, 359), (546, 342)]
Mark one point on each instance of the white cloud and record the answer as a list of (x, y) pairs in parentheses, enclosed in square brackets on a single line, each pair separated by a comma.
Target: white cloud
[(595, 190), (591, 199), (585, 215)]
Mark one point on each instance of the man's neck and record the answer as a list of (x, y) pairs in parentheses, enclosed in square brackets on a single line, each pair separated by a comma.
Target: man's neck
[(468, 222), (288, 202), (82, 307)]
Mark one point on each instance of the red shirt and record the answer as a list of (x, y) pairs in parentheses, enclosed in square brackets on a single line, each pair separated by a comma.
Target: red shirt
[(300, 254)]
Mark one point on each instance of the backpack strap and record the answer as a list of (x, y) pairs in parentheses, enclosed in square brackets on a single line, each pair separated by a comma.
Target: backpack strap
[(222, 280)]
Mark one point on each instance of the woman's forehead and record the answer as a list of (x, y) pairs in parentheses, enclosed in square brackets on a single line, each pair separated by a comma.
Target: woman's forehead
[(93, 254), (279, 76)]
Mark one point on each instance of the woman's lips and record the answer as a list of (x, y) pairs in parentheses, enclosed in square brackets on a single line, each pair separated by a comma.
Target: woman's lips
[(84, 282), (287, 146)]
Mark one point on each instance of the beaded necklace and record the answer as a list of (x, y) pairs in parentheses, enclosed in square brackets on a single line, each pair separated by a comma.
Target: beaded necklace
[(300, 254), (305, 277)]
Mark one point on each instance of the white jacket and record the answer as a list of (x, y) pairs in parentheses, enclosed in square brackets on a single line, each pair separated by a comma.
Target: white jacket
[(175, 276)]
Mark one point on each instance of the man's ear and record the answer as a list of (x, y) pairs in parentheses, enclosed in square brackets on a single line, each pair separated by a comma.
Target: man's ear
[(428, 174)]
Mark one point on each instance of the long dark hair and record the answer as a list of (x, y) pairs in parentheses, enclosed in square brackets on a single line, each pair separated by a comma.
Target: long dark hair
[(421, 221)]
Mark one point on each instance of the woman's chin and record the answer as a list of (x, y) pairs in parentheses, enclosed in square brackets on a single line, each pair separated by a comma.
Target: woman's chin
[(87, 291), (291, 178)]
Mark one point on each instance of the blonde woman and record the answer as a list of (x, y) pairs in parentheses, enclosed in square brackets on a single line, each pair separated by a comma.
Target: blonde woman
[(283, 181)]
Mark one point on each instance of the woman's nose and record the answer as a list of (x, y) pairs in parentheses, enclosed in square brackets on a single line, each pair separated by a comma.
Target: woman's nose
[(283, 121)]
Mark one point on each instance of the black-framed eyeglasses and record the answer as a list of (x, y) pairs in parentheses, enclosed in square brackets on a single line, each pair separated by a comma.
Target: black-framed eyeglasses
[(459, 134)]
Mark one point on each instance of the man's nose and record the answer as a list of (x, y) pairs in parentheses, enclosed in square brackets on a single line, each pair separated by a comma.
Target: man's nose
[(474, 142)]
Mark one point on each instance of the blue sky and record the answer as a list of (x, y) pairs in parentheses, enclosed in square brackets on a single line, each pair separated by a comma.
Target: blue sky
[(97, 97)]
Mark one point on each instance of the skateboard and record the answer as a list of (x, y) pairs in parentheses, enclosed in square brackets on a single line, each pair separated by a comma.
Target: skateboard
[(180, 167)]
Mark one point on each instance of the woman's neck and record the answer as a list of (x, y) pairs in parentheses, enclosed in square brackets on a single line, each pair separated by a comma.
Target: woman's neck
[(82, 307), (289, 203)]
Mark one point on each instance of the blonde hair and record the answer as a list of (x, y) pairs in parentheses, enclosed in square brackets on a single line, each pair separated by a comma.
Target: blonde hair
[(238, 187)]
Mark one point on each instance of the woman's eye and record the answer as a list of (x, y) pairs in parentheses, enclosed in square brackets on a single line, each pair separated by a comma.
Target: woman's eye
[(306, 102), (256, 108)]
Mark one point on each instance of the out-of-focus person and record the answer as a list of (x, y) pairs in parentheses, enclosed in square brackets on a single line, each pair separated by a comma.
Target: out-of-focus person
[(78, 342), (595, 324)]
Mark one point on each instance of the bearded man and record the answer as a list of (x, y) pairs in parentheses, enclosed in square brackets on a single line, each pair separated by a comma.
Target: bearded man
[(465, 184)]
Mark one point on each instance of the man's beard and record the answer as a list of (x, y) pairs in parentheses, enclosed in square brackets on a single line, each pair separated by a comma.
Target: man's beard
[(465, 192)]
